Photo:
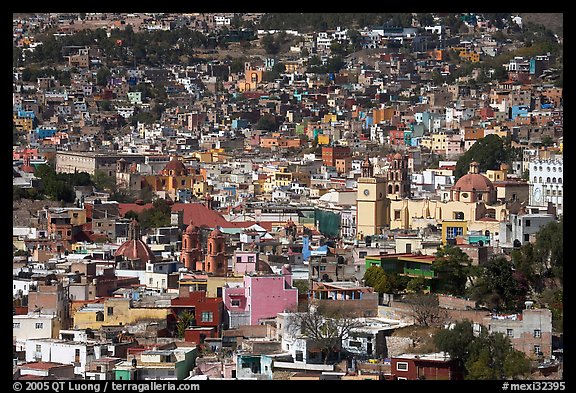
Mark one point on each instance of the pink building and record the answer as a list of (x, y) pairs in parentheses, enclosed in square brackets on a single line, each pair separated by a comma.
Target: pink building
[(261, 297), (245, 262)]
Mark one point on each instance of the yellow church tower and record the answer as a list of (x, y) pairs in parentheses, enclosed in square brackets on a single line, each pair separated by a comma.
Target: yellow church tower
[(371, 202)]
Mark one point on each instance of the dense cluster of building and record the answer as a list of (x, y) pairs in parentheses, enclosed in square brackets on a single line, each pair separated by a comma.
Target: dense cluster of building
[(343, 183)]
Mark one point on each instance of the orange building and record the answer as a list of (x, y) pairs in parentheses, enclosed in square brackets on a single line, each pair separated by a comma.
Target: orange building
[(332, 153), (252, 78)]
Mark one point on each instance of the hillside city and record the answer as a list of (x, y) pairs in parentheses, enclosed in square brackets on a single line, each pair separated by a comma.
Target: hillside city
[(260, 196)]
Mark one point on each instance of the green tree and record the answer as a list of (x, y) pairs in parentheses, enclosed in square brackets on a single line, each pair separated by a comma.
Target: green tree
[(269, 44), (456, 341), (131, 215), (102, 76), (489, 152), (183, 322), (492, 357), (499, 286), (485, 356), (516, 365), (451, 266), (417, 285), (267, 122), (102, 181), (301, 285), (157, 216), (549, 250)]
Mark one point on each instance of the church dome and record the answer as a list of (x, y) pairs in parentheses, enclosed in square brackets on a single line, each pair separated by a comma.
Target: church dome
[(135, 249), (474, 182), (175, 167)]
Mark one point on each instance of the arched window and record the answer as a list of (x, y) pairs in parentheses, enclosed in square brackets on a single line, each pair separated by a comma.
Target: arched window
[(547, 180), (553, 180)]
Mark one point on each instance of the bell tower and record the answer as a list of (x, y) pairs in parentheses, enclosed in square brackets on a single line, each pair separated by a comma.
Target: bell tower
[(371, 202), (191, 253), (216, 261)]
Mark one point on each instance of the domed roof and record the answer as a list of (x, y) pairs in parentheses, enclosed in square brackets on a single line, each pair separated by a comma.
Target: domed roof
[(473, 182), (135, 249), (192, 229), (216, 233), (175, 165)]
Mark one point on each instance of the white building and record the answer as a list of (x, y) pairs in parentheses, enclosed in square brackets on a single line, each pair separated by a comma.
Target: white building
[(33, 325), (66, 352), (21, 286), (522, 227), (546, 182)]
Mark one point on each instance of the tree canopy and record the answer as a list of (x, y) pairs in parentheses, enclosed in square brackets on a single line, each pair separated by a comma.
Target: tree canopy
[(485, 356)]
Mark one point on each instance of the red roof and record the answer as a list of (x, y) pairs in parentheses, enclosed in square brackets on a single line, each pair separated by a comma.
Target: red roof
[(197, 213), (42, 365)]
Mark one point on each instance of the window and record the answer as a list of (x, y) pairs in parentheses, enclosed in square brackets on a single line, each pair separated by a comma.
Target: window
[(250, 259), (452, 232), (510, 332), (402, 366), (39, 325), (537, 333), (299, 356), (110, 310), (527, 223), (537, 350), (235, 303), (207, 316), (238, 259), (16, 325), (354, 343)]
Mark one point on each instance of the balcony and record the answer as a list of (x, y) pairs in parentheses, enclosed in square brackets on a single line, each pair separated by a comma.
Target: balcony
[(419, 273)]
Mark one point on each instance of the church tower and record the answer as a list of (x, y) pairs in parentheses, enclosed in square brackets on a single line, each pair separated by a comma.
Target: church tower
[(191, 254), (398, 180), (216, 261), (371, 202)]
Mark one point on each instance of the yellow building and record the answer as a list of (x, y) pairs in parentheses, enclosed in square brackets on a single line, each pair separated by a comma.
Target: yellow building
[(323, 139), (451, 229), (470, 56), (280, 178), (473, 199), (371, 202), (252, 78), (173, 177), (23, 124), (116, 312), (329, 117), (438, 142)]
